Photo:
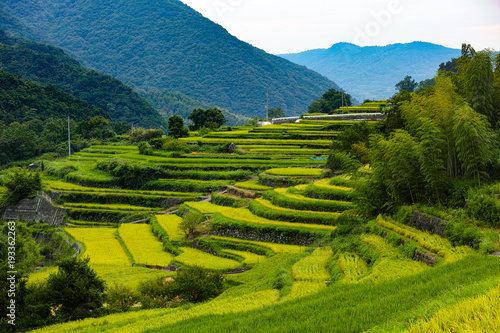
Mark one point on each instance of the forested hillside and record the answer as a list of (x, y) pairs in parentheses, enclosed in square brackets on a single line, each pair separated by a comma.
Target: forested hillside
[(49, 65), (371, 72), (167, 45), (24, 101)]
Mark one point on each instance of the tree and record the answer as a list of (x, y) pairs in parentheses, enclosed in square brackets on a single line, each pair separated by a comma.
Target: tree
[(330, 101), (176, 127), (20, 184), (196, 284), (275, 113), (190, 222), (407, 84), (206, 118), (75, 291)]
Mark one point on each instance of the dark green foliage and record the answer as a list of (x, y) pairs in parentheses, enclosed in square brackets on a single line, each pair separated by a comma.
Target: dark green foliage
[(128, 199), (407, 84), (210, 118), (315, 192), (75, 290), (322, 206), (344, 162), (186, 52), (224, 200), (104, 215), (48, 65), (461, 233), (186, 185), (483, 204), (95, 127), (223, 226), (20, 183), (279, 181), (449, 66), (219, 245), (193, 285), (139, 134), (330, 101), (23, 101), (121, 297), (275, 113), (190, 222), (176, 127)]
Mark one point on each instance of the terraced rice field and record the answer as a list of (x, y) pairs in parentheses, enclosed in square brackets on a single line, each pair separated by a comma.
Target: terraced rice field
[(170, 224), (193, 257)]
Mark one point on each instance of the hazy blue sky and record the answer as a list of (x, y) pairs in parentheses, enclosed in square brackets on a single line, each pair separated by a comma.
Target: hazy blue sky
[(289, 26)]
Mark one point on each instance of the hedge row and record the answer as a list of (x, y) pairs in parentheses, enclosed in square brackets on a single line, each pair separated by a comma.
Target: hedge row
[(187, 185), (220, 245), (279, 215), (129, 199), (104, 215), (314, 205), (324, 193), (277, 181), (222, 226), (224, 200)]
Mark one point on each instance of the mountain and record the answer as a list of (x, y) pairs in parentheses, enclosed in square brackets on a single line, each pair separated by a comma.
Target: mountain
[(24, 101), (50, 65), (371, 72), (165, 44)]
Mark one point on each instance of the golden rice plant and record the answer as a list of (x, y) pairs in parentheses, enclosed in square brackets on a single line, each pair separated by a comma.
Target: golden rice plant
[(101, 245), (352, 266), (250, 258), (144, 247), (245, 215), (313, 267), (304, 288), (193, 257), (306, 172), (206, 207), (268, 204), (170, 223), (276, 248)]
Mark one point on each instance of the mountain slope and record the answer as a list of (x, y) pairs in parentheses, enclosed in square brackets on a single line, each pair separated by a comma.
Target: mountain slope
[(24, 101), (372, 71), (165, 44), (49, 65)]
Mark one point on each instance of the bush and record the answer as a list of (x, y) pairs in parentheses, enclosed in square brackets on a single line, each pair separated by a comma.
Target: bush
[(190, 222), (313, 205), (121, 297), (20, 184), (193, 285)]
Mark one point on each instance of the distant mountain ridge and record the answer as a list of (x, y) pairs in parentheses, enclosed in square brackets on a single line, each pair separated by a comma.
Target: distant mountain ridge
[(371, 72), (164, 44)]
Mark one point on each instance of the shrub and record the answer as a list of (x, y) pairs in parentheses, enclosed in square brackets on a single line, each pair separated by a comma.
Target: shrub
[(121, 297), (20, 184)]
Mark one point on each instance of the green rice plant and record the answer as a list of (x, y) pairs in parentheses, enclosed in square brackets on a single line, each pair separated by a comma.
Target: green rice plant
[(343, 180), (101, 245), (143, 245), (252, 185), (249, 257), (291, 152), (205, 207), (266, 209), (267, 147), (313, 267), (276, 248), (119, 207), (323, 190), (105, 215), (170, 224), (228, 201), (243, 214), (310, 143), (352, 266), (91, 223), (193, 257), (476, 314), (280, 197), (434, 243), (305, 172)]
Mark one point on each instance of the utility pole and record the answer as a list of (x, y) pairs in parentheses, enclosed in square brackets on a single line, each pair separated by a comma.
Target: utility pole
[(267, 106), (69, 138)]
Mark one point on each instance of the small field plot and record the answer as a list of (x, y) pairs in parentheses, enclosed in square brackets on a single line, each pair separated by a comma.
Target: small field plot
[(276, 248), (306, 172), (170, 224), (250, 258), (193, 257), (144, 247), (101, 245), (205, 207)]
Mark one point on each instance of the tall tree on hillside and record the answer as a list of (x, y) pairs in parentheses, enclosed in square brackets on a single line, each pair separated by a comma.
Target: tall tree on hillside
[(206, 118), (407, 84), (275, 113), (176, 127), (476, 80), (330, 101)]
